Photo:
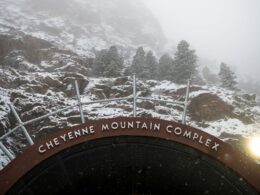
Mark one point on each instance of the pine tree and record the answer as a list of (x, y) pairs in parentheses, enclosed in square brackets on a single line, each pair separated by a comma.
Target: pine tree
[(112, 69), (99, 63), (150, 66), (227, 77), (107, 63), (185, 63), (114, 63), (138, 62), (165, 67)]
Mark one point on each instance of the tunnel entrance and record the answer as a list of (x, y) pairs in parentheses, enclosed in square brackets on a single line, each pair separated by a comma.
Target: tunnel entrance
[(167, 158), (131, 165)]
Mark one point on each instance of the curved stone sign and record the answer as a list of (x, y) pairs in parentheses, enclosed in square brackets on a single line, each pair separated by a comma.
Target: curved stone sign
[(120, 143)]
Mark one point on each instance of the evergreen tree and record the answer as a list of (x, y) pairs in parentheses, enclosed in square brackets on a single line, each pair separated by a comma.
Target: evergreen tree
[(150, 66), (185, 63), (99, 63), (138, 62), (107, 63), (165, 67), (114, 63), (227, 77)]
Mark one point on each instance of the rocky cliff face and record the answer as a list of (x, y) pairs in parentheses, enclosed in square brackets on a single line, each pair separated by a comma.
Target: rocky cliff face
[(84, 25), (26, 53)]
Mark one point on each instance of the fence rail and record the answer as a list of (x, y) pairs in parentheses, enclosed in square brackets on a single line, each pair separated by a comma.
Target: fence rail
[(134, 97)]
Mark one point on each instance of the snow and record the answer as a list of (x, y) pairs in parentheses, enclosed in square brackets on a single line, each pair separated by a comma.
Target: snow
[(3, 160), (114, 109), (256, 110), (231, 126), (81, 37), (45, 64), (78, 34), (224, 94), (166, 85), (55, 21), (194, 94)]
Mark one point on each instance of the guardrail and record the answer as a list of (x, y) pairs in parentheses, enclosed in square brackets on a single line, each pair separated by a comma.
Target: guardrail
[(134, 97)]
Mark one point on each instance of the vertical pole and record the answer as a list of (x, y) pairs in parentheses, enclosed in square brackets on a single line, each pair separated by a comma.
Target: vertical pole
[(79, 102), (6, 151), (186, 103), (134, 95), (25, 132)]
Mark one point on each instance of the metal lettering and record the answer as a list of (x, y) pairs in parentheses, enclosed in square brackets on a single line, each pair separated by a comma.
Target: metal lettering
[(63, 137), (138, 123), (215, 147), (105, 127), (85, 131), (123, 125), (157, 127), (77, 133), (70, 135), (169, 128), (130, 124), (41, 149), (195, 136), (187, 134), (49, 145), (56, 141), (178, 131), (144, 126), (200, 141), (114, 125), (208, 141), (91, 129)]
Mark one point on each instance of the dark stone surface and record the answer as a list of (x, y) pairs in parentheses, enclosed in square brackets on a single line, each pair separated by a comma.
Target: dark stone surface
[(209, 107)]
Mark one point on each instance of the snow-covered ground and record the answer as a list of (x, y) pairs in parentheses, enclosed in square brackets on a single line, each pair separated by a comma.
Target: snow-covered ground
[(92, 27), (38, 88), (95, 89)]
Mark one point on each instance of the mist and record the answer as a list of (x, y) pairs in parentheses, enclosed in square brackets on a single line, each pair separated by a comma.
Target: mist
[(219, 30)]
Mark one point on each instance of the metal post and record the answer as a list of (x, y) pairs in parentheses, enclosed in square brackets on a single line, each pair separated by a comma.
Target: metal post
[(79, 102), (186, 103), (6, 151), (134, 95), (25, 132)]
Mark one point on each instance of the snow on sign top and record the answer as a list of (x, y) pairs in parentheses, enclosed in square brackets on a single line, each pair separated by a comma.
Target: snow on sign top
[(130, 126)]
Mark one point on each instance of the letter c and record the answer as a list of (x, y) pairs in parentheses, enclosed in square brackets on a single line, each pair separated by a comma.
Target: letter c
[(41, 149), (168, 128)]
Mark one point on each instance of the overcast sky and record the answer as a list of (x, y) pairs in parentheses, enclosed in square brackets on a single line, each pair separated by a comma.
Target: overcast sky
[(221, 30)]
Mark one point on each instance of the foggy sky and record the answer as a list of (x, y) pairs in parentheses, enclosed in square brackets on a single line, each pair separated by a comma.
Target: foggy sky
[(219, 30)]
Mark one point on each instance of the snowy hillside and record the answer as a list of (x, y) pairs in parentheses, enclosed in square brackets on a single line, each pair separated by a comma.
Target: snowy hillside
[(83, 26), (231, 117), (44, 49)]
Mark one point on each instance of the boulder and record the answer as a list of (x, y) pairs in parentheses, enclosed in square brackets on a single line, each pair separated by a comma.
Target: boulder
[(209, 107), (148, 105), (120, 81), (162, 110)]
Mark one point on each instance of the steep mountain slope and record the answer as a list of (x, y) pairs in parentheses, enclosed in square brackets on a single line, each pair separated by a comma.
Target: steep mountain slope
[(46, 45), (228, 115), (84, 25), (27, 53)]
